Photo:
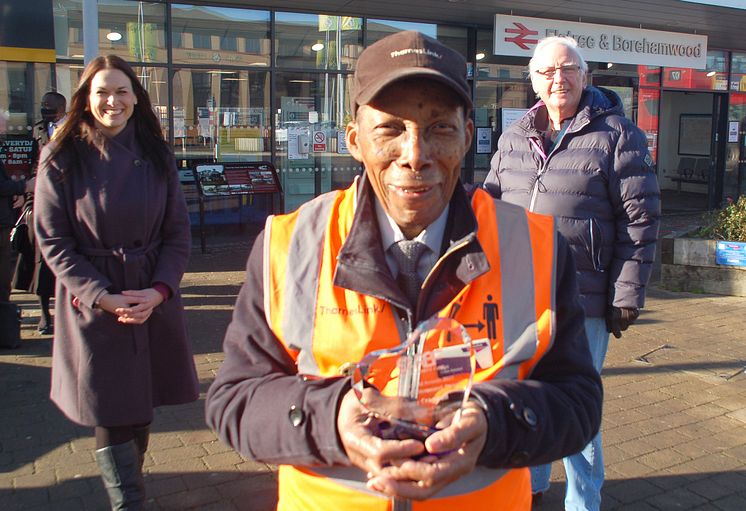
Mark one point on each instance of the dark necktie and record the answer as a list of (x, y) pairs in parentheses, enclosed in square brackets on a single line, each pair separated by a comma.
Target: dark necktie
[(407, 254)]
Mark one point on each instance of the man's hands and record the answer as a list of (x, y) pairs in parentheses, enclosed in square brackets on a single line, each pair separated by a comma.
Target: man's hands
[(392, 470), (132, 307), (618, 319), (357, 431)]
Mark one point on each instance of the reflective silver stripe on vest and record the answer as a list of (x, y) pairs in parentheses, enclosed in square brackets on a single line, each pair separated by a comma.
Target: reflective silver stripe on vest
[(302, 279), (520, 332), (267, 262), (354, 478)]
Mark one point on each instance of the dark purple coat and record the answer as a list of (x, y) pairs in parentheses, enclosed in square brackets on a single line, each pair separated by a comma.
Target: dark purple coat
[(113, 225)]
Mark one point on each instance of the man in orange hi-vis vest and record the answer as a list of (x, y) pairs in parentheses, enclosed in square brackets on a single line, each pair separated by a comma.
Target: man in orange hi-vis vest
[(327, 284)]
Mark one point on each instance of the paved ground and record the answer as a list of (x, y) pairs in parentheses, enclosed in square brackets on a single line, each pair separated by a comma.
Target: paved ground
[(674, 422)]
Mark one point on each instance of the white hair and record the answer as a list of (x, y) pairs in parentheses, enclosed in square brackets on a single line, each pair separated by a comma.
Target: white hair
[(567, 42)]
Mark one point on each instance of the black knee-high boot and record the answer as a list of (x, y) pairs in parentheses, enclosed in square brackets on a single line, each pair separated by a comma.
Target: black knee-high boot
[(118, 456), (122, 476)]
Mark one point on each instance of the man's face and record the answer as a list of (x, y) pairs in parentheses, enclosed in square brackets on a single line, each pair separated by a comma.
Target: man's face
[(51, 108), (411, 139), (559, 89)]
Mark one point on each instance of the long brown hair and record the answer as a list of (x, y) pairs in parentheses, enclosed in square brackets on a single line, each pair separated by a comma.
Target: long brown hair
[(80, 124)]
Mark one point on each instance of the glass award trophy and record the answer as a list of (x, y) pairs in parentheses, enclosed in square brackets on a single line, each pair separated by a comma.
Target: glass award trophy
[(420, 386)]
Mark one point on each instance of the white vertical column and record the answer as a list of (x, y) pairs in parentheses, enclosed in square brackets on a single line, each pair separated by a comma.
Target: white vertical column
[(90, 30)]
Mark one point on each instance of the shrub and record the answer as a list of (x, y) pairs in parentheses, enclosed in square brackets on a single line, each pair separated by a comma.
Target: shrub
[(728, 223)]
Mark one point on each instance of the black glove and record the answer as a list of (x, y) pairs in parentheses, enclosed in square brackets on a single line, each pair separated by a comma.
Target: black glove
[(618, 319)]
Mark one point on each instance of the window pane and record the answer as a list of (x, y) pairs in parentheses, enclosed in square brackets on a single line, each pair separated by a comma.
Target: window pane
[(497, 66), (453, 37), (153, 80), (648, 101), (68, 28), (318, 41), (378, 29), (220, 35), (495, 100), (713, 77), (734, 180), (134, 31), (221, 114), (68, 77), (738, 72), (19, 110), (312, 115)]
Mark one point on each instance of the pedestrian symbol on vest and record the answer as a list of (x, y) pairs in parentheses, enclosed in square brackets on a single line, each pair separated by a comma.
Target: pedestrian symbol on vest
[(478, 325), (490, 314)]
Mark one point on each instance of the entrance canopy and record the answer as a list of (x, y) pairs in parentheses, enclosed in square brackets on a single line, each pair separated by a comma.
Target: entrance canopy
[(722, 25)]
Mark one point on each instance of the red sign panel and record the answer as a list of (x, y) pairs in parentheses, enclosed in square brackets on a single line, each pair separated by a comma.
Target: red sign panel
[(18, 156)]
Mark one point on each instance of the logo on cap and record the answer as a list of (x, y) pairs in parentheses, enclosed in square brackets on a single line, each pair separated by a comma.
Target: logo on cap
[(419, 51)]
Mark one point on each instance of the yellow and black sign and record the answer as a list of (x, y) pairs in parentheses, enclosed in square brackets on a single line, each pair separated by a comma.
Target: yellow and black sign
[(27, 31)]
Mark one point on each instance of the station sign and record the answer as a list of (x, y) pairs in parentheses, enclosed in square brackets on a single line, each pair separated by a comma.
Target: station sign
[(518, 36)]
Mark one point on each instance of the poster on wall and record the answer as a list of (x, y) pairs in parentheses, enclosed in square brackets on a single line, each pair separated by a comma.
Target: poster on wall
[(647, 117), (298, 143), (510, 115), (695, 134), (484, 140), (733, 131), (342, 143)]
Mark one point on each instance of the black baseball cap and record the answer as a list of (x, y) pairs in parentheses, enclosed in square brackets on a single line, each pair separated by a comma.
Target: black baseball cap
[(405, 55)]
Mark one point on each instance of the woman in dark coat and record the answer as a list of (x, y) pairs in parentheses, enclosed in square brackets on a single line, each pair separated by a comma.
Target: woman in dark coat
[(112, 225)]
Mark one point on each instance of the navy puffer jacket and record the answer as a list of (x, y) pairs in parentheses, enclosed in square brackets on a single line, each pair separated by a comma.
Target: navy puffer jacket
[(598, 181)]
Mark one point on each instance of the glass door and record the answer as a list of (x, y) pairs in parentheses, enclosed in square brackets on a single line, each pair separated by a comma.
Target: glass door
[(311, 113), (496, 106)]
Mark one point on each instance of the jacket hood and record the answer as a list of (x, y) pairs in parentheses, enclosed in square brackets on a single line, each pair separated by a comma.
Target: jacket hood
[(597, 101)]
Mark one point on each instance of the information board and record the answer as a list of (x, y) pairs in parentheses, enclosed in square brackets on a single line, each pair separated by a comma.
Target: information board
[(236, 178), (730, 253)]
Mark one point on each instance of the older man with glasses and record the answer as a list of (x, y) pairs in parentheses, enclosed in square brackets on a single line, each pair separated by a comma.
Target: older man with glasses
[(575, 156)]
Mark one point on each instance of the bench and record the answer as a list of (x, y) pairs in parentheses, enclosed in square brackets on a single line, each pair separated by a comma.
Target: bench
[(691, 170), (221, 180)]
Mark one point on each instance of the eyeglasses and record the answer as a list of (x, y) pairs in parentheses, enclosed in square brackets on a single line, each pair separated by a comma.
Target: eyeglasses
[(549, 72)]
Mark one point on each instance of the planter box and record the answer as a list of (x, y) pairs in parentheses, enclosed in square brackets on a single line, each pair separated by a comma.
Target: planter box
[(688, 264)]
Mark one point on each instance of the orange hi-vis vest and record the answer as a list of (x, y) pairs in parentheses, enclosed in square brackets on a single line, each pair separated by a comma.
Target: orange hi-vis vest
[(325, 327)]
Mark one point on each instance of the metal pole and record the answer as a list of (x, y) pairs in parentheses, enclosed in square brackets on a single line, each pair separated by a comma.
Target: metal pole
[(90, 30)]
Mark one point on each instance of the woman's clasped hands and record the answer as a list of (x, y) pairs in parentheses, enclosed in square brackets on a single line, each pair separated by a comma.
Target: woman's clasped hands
[(132, 307)]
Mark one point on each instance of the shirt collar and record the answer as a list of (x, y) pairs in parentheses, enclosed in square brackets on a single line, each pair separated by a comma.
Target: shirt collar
[(432, 236)]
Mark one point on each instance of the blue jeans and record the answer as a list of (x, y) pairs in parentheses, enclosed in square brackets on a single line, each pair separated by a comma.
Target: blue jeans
[(585, 470)]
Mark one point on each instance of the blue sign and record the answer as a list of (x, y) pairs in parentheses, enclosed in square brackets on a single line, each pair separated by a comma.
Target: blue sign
[(731, 253)]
